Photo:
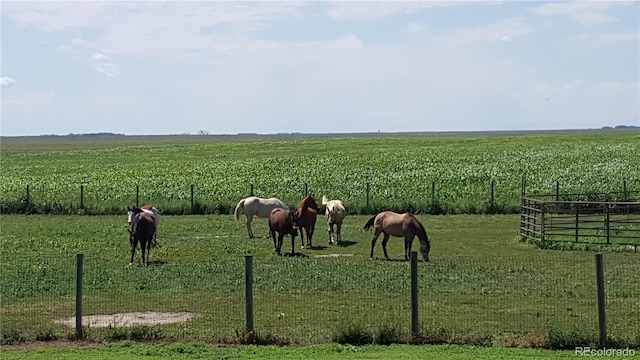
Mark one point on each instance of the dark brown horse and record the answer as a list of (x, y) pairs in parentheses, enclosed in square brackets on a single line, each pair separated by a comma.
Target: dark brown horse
[(401, 225), (142, 230), (149, 209), (283, 222), (307, 215)]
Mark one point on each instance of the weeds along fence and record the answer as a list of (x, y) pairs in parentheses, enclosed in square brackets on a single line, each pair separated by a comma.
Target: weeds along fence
[(464, 300), (491, 196)]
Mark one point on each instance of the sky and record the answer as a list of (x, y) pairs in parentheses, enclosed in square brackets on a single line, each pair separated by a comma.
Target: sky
[(196, 67)]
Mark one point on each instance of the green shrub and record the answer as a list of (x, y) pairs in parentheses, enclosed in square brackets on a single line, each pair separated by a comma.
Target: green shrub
[(47, 334), (353, 334), (12, 337)]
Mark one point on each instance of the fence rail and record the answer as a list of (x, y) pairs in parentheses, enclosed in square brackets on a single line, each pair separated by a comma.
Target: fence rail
[(604, 222)]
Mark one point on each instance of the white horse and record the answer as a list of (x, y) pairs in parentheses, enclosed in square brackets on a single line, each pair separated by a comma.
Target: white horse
[(335, 211), (148, 209), (255, 206)]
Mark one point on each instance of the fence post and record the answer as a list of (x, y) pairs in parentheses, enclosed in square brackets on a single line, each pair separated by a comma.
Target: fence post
[(191, 198), (137, 196), (81, 196), (606, 222), (306, 190), (414, 294), (557, 190), (577, 221), (79, 261), (251, 190), (493, 186), (28, 199), (433, 196), (248, 285), (602, 322), (624, 188), (367, 196)]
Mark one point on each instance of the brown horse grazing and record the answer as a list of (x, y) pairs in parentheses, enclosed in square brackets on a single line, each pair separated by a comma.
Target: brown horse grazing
[(142, 230), (307, 215), (283, 222), (400, 225)]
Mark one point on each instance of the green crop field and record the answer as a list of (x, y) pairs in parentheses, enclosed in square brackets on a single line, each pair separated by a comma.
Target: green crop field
[(424, 174), (483, 286)]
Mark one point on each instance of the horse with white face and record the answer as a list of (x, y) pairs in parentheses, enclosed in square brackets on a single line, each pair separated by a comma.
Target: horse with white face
[(255, 206), (335, 211), (147, 209)]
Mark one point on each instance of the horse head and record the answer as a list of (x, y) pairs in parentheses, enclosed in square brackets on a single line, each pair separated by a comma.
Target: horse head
[(309, 202), (131, 212)]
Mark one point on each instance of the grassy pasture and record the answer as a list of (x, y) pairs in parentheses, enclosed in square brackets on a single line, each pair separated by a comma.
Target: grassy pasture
[(400, 171), (482, 287)]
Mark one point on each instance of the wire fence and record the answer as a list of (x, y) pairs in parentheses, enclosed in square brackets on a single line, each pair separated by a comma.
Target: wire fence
[(300, 300)]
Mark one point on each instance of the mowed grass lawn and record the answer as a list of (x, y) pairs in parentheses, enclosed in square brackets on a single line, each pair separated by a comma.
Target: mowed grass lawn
[(127, 350)]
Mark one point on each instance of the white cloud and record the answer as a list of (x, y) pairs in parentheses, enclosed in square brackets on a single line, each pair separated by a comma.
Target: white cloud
[(504, 30), (99, 57), (583, 12), (415, 29), (106, 69), (371, 10), (6, 81)]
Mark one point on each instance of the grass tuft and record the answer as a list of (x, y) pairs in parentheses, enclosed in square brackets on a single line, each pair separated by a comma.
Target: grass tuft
[(12, 337), (353, 334)]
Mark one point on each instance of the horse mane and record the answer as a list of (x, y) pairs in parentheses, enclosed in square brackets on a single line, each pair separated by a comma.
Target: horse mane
[(301, 204), (423, 231)]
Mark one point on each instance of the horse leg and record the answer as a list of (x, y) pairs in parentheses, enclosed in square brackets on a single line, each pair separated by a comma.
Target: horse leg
[(148, 251), (310, 237), (249, 231), (275, 242), (330, 226), (373, 243), (385, 240), (293, 240), (134, 244), (143, 249), (280, 237), (155, 236), (302, 229), (339, 233), (408, 241)]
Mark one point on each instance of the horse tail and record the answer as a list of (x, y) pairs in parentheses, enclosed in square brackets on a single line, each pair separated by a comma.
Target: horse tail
[(239, 210), (369, 223), (325, 201)]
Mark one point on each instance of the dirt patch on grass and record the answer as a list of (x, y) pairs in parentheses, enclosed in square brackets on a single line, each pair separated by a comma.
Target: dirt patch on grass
[(333, 255), (148, 318)]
